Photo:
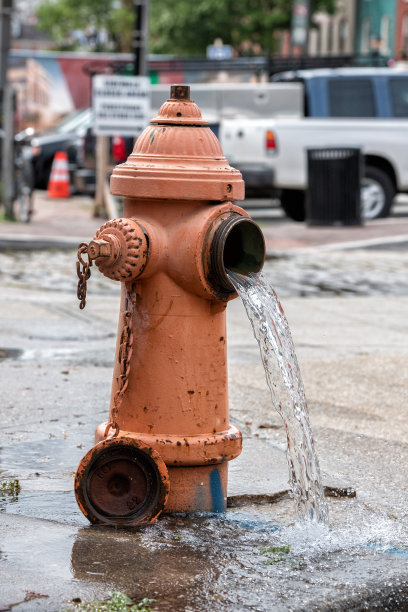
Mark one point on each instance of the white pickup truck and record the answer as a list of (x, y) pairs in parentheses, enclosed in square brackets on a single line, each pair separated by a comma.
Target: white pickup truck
[(363, 108)]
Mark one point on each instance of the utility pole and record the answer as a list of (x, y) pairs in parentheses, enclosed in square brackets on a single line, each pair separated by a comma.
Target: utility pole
[(103, 199), (6, 7), (140, 34), (7, 110)]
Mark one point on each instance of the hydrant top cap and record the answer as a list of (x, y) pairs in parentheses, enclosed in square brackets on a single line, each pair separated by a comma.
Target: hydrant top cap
[(179, 109)]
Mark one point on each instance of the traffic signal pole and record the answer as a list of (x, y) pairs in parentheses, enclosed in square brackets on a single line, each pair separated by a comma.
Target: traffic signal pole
[(139, 39), (103, 198), (5, 24)]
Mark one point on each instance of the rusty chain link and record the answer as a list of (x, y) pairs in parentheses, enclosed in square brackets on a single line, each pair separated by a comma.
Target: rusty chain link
[(124, 358), (126, 339), (84, 274)]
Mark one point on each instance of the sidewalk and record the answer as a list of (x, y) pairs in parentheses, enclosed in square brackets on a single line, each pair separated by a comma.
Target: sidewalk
[(56, 223), (56, 374), (67, 222)]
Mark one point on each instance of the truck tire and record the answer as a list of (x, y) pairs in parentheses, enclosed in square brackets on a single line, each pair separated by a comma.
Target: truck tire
[(293, 203), (377, 194)]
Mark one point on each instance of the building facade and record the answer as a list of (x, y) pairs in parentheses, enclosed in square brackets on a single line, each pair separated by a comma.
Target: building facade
[(334, 34), (376, 28), (401, 32)]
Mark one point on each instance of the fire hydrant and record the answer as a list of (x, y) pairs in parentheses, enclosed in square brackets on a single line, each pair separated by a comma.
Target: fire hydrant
[(168, 440)]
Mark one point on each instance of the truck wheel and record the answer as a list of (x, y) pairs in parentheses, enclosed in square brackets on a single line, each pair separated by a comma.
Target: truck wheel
[(293, 203), (377, 194)]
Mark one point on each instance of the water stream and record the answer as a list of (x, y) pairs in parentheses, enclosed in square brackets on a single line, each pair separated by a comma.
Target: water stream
[(273, 335)]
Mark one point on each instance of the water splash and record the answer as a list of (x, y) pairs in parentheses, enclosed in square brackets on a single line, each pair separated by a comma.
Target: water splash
[(272, 333)]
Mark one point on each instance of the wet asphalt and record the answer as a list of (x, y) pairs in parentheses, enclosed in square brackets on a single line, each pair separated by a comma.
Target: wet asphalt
[(347, 309)]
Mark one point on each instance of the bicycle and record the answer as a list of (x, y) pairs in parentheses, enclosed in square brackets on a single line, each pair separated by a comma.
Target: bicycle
[(23, 176)]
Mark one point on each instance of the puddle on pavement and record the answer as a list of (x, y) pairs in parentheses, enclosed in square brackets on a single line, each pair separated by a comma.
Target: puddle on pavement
[(41, 456), (77, 355), (83, 349), (236, 560), (251, 557), (10, 353), (45, 471)]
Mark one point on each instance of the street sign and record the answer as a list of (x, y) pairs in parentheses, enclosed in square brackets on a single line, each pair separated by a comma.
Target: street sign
[(121, 104), (300, 23), (220, 52)]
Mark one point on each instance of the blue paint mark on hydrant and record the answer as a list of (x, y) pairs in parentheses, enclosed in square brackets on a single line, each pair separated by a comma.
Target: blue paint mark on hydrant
[(217, 494)]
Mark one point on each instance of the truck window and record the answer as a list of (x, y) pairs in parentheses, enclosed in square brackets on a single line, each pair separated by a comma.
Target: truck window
[(399, 97), (351, 98)]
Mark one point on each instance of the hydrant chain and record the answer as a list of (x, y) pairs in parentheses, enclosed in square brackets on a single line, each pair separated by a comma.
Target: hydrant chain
[(124, 359), (84, 274)]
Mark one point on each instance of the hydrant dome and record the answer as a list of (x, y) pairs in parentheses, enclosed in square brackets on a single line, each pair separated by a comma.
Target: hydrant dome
[(178, 156)]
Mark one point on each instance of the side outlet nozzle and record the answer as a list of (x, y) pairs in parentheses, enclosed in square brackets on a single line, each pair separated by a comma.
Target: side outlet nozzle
[(238, 245)]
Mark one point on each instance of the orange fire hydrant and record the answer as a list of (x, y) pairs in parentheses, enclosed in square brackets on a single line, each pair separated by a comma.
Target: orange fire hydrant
[(168, 439)]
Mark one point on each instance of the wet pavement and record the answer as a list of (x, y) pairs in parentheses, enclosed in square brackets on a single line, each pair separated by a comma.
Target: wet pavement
[(56, 369), (312, 273)]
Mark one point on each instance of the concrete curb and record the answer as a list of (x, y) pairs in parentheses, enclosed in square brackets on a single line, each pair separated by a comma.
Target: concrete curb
[(369, 243), (38, 243), (30, 242)]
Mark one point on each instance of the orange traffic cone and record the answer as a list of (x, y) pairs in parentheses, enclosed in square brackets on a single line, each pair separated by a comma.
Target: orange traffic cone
[(58, 185)]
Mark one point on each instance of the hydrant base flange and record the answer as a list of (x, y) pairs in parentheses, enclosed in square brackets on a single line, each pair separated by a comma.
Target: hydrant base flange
[(204, 449), (197, 466)]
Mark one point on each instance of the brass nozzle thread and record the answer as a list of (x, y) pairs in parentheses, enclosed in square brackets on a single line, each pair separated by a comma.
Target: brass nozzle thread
[(238, 246)]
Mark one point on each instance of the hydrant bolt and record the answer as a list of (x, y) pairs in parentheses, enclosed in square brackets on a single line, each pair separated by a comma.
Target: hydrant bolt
[(99, 248)]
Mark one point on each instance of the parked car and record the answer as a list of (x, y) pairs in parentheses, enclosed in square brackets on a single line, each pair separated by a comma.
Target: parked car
[(84, 176), (347, 107), (64, 136), (74, 135), (216, 101)]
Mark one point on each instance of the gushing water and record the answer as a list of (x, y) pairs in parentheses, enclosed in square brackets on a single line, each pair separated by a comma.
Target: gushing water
[(272, 333)]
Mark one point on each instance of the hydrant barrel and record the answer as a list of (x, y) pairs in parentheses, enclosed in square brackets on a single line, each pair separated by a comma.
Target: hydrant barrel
[(183, 234)]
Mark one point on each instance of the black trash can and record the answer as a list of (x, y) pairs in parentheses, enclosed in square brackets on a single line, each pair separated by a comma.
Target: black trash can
[(333, 195)]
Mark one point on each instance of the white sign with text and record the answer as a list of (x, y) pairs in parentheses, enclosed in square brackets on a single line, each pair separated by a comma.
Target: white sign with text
[(121, 104)]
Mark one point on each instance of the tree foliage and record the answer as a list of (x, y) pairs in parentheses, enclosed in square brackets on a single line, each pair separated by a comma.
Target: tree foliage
[(179, 27), (103, 24), (247, 25)]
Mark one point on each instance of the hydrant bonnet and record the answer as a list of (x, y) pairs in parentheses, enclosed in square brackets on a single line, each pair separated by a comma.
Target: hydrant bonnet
[(178, 157)]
